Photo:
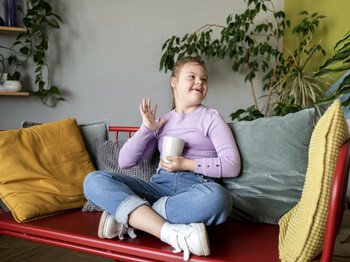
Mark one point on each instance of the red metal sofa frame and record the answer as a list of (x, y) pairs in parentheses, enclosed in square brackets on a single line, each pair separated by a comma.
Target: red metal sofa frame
[(230, 241)]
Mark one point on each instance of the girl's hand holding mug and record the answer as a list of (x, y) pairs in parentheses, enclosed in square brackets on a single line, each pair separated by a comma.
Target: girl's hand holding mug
[(178, 163)]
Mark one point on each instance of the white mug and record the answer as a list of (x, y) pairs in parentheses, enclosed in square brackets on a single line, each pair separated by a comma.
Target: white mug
[(172, 146)]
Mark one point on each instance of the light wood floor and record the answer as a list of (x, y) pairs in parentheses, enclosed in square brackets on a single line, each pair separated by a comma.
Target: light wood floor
[(19, 250)]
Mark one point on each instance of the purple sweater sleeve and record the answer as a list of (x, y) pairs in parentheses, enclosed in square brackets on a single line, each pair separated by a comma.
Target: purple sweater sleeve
[(224, 161), (228, 162), (137, 148)]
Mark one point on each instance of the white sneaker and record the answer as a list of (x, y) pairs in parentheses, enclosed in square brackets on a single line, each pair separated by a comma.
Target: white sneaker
[(191, 238), (110, 228)]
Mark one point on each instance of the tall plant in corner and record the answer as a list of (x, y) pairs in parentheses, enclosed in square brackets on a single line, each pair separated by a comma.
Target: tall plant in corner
[(38, 17), (253, 45)]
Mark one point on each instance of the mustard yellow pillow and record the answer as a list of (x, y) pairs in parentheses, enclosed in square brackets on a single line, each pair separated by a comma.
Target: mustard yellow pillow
[(302, 228), (42, 169)]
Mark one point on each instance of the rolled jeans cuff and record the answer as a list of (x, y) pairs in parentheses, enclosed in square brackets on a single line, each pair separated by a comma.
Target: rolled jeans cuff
[(127, 207), (159, 207)]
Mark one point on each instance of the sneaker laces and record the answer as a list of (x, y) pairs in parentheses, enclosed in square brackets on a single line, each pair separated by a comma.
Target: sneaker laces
[(126, 230), (180, 243)]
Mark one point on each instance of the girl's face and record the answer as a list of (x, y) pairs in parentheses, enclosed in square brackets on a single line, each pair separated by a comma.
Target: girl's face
[(190, 87)]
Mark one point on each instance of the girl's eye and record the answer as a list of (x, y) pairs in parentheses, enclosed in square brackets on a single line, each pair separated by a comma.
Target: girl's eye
[(204, 80)]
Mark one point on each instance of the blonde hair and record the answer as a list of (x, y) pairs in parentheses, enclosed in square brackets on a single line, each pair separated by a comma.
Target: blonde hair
[(179, 65)]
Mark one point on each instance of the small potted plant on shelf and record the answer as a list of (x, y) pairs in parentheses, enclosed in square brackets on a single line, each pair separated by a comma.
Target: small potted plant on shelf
[(12, 83)]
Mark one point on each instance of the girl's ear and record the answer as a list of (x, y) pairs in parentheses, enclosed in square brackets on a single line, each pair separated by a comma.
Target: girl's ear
[(172, 81)]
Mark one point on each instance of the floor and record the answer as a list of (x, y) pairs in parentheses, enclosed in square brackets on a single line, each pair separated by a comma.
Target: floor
[(18, 250)]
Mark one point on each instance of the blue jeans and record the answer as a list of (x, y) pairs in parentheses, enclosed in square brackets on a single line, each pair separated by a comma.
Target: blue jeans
[(179, 197)]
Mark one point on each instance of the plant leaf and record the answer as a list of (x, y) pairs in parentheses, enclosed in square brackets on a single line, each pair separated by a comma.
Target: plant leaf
[(343, 89), (328, 72), (338, 57), (53, 23), (344, 39)]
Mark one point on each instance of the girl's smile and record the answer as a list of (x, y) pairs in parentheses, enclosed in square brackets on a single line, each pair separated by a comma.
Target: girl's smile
[(190, 87)]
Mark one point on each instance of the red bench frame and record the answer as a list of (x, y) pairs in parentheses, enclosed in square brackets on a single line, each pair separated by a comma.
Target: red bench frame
[(230, 241)]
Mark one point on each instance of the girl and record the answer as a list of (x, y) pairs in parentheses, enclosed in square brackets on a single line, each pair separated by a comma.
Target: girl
[(184, 196)]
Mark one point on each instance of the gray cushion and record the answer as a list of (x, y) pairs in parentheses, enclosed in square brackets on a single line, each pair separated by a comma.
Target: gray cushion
[(274, 153), (107, 160), (107, 153)]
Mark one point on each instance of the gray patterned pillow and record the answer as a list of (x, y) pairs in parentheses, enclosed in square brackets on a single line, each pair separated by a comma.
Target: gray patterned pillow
[(107, 153)]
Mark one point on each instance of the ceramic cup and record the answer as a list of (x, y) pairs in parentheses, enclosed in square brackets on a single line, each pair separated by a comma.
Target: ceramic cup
[(172, 146)]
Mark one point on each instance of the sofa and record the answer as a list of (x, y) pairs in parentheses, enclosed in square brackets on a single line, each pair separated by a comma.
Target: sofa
[(287, 200)]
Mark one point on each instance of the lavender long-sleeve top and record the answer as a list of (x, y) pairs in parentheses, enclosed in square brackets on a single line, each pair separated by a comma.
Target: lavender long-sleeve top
[(208, 141)]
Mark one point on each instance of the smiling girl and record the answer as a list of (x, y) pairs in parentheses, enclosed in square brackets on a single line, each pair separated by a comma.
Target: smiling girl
[(184, 196)]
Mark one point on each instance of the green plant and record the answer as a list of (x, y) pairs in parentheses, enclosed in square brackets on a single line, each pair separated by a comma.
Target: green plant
[(296, 81), (15, 76), (246, 42), (249, 114), (254, 47), (38, 16), (286, 106), (339, 63)]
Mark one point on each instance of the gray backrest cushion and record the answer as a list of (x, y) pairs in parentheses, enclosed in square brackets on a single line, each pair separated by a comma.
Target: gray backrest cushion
[(274, 153)]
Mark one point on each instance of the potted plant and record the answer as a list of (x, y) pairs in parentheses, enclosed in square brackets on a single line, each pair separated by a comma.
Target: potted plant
[(12, 83), (38, 17), (255, 46)]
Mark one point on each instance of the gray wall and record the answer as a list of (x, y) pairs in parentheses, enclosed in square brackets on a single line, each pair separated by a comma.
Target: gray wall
[(106, 57)]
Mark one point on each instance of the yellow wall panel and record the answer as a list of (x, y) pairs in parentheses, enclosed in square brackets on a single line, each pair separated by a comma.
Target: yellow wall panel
[(331, 29)]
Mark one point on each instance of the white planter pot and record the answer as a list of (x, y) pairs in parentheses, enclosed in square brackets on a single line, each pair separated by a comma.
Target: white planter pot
[(13, 85)]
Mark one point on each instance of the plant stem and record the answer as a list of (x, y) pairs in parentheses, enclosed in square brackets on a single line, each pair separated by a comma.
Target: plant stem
[(250, 80), (275, 35)]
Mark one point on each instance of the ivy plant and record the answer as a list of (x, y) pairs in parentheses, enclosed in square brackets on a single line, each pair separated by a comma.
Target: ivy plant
[(38, 18)]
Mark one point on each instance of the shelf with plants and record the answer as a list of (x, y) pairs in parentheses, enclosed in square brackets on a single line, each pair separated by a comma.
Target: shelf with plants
[(31, 45), (14, 31)]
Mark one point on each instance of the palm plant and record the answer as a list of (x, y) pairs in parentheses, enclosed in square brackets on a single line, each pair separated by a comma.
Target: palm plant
[(296, 81)]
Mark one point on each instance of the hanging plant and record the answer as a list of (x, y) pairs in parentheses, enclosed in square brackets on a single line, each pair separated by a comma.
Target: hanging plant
[(38, 17)]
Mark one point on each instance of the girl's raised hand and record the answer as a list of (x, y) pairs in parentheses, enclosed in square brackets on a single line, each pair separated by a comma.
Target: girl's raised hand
[(149, 115)]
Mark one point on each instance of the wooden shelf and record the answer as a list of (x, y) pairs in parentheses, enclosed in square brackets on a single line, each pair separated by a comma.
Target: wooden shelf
[(12, 30), (14, 93)]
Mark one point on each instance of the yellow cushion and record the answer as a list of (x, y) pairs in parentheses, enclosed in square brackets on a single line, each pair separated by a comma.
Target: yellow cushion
[(42, 169), (302, 228)]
